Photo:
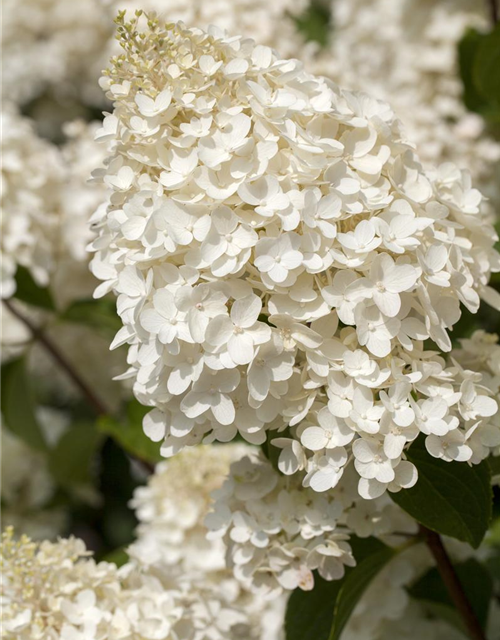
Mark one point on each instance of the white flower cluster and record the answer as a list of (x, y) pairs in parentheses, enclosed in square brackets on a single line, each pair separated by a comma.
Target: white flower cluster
[(171, 509), (46, 205), (32, 172), (279, 257), (52, 43), (278, 532), (61, 47), (407, 53), (172, 541), (268, 23), (53, 591)]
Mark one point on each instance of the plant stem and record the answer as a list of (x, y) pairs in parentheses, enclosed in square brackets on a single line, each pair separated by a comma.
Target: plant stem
[(39, 335), (452, 583), (93, 400), (493, 10)]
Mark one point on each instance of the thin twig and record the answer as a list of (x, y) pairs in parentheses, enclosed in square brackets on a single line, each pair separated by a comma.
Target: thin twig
[(493, 11), (452, 583), (95, 402), (60, 358)]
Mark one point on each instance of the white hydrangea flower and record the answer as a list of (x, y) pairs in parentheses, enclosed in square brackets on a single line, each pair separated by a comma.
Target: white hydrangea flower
[(58, 50), (51, 44), (224, 215), (32, 173), (54, 591), (277, 532), (46, 205), (172, 506), (407, 53)]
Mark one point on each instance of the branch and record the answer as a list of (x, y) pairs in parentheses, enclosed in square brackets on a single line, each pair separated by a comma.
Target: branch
[(493, 11), (95, 402), (39, 335), (452, 583)]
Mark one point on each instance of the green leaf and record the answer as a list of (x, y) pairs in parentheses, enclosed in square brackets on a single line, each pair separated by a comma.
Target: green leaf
[(487, 65), (128, 433), (354, 585), (118, 556), (30, 292), (272, 452), (451, 498), (477, 584), (494, 533), (18, 407), (314, 23), (310, 614), (467, 51), (71, 460), (479, 60), (98, 314), (494, 465)]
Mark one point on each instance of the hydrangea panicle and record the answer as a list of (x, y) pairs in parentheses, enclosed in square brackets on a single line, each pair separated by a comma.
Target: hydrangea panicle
[(280, 257)]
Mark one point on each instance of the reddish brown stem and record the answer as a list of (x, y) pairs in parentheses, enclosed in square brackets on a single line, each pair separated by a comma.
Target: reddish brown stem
[(493, 11), (452, 583), (39, 335), (94, 401)]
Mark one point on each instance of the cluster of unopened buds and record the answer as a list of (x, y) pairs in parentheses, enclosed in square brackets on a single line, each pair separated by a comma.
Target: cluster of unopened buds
[(280, 258)]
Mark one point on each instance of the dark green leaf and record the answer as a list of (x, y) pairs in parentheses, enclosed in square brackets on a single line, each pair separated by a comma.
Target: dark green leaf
[(314, 23), (493, 537), (487, 66), (30, 292), (310, 614), (476, 582), (98, 314), (467, 51), (118, 556), (452, 498), (271, 452), (479, 60), (18, 407), (354, 585), (494, 465), (72, 458), (129, 434)]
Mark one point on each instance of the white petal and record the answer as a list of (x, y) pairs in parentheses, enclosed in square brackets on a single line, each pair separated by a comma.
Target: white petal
[(154, 424), (223, 409), (245, 311)]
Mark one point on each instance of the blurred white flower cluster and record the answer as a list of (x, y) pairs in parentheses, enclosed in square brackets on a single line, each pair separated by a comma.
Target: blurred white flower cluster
[(175, 597), (59, 47), (46, 205), (407, 53), (53, 43), (171, 509), (32, 173), (279, 256)]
